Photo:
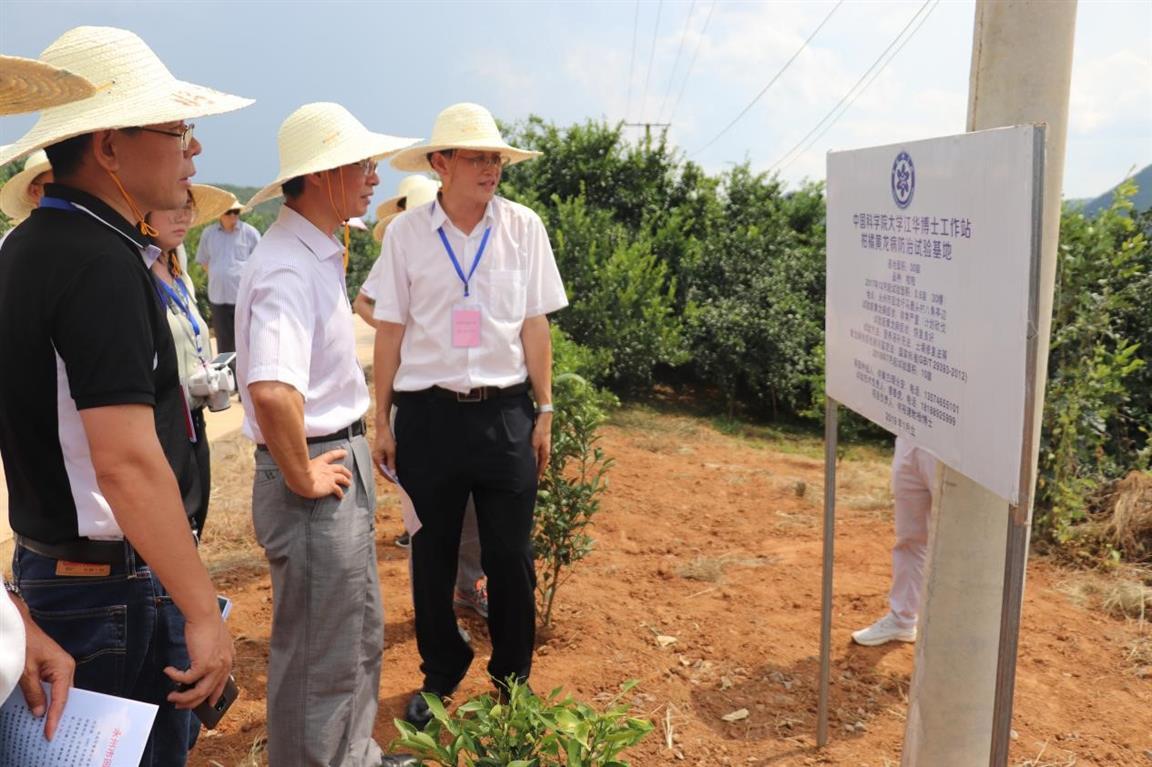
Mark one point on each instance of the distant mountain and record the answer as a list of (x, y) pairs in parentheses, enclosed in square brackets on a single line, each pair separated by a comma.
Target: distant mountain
[(1142, 200)]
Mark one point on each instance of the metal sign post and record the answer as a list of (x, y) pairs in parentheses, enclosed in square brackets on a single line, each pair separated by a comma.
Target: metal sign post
[(1020, 514), (831, 414)]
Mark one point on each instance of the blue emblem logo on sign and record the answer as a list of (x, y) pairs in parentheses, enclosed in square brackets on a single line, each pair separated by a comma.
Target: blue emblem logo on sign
[(903, 180)]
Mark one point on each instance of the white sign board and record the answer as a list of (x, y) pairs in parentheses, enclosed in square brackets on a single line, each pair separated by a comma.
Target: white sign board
[(931, 247)]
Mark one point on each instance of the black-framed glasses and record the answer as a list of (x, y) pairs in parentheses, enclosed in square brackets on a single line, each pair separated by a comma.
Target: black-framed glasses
[(184, 134)]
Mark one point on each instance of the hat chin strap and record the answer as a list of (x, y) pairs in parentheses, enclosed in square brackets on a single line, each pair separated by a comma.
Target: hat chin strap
[(145, 228), (341, 216)]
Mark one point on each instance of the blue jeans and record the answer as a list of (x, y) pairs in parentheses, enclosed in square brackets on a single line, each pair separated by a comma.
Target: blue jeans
[(123, 629)]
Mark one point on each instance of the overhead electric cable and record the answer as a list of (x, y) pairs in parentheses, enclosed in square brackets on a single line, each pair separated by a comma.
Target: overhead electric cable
[(692, 63), (676, 61), (632, 61), (787, 158), (771, 82), (651, 56)]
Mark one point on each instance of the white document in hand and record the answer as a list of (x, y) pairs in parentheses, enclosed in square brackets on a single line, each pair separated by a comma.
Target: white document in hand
[(96, 730)]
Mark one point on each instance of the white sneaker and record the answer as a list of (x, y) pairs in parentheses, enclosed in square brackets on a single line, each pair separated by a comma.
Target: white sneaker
[(883, 631)]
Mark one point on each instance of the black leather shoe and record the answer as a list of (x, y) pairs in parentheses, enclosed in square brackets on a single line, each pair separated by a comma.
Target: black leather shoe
[(399, 760), (416, 713)]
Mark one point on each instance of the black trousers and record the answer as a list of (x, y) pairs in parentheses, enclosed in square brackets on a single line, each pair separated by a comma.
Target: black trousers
[(203, 458), (444, 451), (224, 324)]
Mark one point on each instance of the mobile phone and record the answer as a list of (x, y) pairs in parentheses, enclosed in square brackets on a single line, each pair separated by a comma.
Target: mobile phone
[(210, 715), (225, 605), (222, 359)]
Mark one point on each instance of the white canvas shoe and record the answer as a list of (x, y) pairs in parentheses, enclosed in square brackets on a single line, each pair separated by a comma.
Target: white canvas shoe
[(883, 631)]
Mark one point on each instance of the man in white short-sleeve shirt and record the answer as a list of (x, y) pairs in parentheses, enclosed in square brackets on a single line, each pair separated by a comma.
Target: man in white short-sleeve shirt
[(314, 496), (464, 287)]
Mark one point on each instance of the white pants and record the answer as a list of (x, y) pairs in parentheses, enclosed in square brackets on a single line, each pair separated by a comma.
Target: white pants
[(913, 480)]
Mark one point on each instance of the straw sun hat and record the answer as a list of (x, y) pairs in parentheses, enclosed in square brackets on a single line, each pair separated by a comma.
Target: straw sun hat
[(28, 85), (212, 203), (14, 198), (461, 126), (133, 88), (415, 191), (323, 136), (408, 186)]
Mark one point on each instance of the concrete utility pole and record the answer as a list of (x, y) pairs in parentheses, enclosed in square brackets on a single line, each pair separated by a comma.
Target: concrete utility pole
[(1021, 73)]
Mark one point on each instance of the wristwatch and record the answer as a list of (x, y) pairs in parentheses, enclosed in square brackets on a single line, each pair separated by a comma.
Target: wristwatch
[(546, 408), (12, 588)]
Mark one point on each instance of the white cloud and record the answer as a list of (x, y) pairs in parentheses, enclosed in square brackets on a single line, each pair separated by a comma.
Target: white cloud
[(1110, 90)]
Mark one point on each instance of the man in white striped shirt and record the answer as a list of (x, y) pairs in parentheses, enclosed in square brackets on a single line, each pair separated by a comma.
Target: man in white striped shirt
[(314, 496)]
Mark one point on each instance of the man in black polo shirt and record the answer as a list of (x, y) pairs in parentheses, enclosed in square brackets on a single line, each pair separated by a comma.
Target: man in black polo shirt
[(93, 421)]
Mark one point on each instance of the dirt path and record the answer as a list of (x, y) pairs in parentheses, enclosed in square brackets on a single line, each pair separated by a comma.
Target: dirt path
[(714, 540)]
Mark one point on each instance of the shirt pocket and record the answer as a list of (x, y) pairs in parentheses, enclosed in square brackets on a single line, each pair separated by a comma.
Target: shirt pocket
[(508, 295)]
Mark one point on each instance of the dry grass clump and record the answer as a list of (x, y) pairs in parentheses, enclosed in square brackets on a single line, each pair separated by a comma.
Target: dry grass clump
[(1124, 593), (711, 569), (1128, 524)]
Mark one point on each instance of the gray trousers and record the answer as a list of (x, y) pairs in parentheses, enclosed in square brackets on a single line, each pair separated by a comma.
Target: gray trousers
[(468, 569), (327, 619)]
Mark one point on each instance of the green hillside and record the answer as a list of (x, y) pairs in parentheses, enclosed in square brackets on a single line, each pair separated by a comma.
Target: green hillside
[(1142, 200)]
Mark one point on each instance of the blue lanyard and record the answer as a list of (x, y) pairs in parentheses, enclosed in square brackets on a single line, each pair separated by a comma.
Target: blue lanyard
[(57, 203), (475, 261), (183, 302)]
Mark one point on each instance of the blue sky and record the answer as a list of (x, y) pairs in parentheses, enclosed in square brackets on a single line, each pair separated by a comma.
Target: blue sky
[(395, 65)]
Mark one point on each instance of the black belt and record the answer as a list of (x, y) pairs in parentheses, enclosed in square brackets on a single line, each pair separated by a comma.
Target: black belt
[(79, 550), (479, 394), (348, 432)]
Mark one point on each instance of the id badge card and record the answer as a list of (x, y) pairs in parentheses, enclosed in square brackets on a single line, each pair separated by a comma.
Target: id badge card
[(466, 326)]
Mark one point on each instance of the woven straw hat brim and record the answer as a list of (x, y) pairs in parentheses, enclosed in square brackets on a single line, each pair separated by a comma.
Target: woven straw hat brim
[(378, 229), (14, 194), (212, 203), (133, 89), (419, 188), (367, 146), (415, 159), (28, 85), (107, 111)]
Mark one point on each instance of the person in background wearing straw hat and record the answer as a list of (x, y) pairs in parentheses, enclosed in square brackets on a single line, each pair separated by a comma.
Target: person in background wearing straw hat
[(223, 251), (471, 583), (204, 385), (28, 656), (21, 194), (465, 286), (93, 419), (304, 396)]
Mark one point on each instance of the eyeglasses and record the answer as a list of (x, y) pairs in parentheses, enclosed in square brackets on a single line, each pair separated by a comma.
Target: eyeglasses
[(485, 161), (182, 215), (367, 167), (184, 133), (231, 213)]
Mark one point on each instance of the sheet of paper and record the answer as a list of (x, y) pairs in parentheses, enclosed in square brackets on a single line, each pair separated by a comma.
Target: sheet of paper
[(408, 512), (96, 730)]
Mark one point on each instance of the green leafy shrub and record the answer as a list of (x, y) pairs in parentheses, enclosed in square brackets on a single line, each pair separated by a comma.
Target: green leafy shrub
[(526, 731), (1093, 429), (568, 497)]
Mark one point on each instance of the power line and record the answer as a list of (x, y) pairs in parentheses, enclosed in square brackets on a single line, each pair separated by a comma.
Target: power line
[(632, 61), (787, 158), (676, 62), (651, 56), (692, 63), (771, 82)]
